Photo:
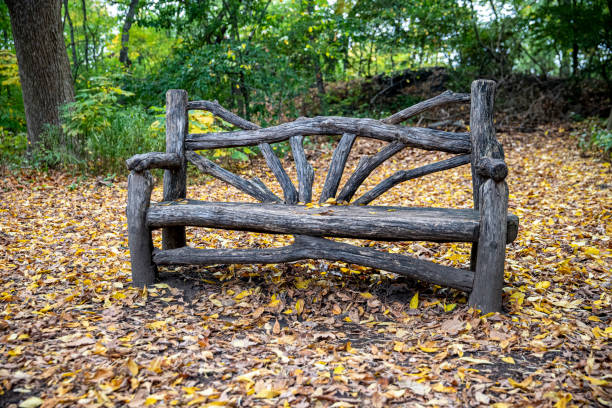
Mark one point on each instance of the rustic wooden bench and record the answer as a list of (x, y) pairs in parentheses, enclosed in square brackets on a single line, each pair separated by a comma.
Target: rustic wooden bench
[(488, 226)]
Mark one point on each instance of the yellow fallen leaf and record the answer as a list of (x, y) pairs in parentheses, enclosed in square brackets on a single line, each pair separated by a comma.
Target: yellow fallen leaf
[(31, 402), (429, 349), (156, 325), (542, 285), (414, 302), (366, 295), (475, 360), (132, 366), (243, 294), (299, 306), (339, 369), (450, 307), (150, 401), (595, 381), (267, 394), (508, 360), (439, 387)]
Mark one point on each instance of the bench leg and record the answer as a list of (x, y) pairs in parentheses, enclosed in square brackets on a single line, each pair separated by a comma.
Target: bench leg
[(489, 275), (140, 186)]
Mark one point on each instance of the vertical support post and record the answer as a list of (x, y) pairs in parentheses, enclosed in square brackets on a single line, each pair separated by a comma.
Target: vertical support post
[(491, 198), (484, 142), (486, 292), (175, 180), (140, 186)]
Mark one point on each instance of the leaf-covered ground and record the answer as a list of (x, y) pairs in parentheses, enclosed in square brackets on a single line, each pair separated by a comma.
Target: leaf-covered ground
[(312, 333)]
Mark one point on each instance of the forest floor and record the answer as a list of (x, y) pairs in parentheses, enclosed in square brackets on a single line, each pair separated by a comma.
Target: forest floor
[(73, 332)]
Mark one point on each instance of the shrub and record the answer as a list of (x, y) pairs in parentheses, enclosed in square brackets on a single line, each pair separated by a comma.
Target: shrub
[(595, 137)]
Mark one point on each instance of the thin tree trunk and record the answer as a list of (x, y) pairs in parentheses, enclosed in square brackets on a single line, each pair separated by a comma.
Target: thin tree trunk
[(44, 69), (125, 33), (317, 66), (75, 61), (86, 47)]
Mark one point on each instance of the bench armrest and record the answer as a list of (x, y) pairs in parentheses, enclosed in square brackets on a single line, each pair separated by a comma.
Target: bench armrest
[(495, 169), (153, 160)]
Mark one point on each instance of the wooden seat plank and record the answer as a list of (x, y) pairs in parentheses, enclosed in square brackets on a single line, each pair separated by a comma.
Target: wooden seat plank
[(367, 222)]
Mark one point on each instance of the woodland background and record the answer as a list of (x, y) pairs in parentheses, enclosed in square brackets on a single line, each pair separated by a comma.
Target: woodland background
[(272, 61)]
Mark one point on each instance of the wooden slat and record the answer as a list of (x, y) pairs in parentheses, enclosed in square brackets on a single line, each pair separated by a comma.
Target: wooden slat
[(366, 166), (254, 188), (305, 171), (289, 191), (153, 160), (367, 222), (319, 248), (405, 175), (423, 138), (336, 167), (439, 100)]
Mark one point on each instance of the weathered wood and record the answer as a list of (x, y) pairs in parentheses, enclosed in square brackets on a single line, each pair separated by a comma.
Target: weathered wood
[(153, 160), (367, 222), (489, 275), (254, 188), (219, 111), (175, 179), (492, 168), (140, 186), (484, 142), (289, 191), (305, 172), (365, 167), (336, 167), (404, 175), (444, 98), (318, 248), (482, 131), (423, 138)]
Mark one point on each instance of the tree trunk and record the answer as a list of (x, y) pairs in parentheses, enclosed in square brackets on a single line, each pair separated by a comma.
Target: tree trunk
[(75, 61), (125, 33), (85, 34), (44, 69)]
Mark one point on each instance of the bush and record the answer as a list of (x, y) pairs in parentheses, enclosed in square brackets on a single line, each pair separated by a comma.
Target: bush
[(595, 137)]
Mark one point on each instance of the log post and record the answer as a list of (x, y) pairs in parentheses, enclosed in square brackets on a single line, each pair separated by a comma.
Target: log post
[(175, 180), (482, 135), (490, 197), (489, 274), (140, 185)]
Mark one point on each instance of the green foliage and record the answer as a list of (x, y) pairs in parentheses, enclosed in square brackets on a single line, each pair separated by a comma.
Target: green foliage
[(92, 110), (595, 137)]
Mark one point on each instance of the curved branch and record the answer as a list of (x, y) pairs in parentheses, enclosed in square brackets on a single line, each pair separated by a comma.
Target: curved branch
[(423, 138)]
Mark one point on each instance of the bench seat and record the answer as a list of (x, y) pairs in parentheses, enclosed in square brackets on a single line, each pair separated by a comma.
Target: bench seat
[(342, 221)]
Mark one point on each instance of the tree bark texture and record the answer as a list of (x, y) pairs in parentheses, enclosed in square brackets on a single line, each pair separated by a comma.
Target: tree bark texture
[(125, 33), (175, 180), (423, 138), (255, 188), (439, 100), (336, 167), (153, 160), (366, 222), (489, 275), (405, 175), (140, 186), (365, 167), (44, 69), (289, 191), (305, 172), (319, 248)]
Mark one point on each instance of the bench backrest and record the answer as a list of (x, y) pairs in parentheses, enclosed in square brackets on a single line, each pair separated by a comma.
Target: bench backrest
[(475, 147)]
